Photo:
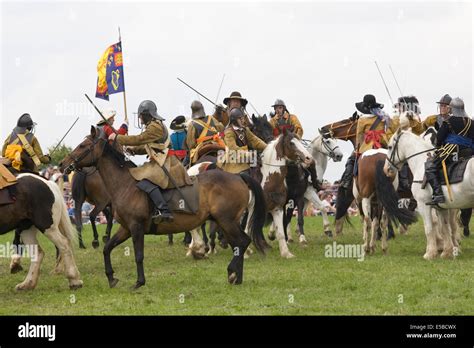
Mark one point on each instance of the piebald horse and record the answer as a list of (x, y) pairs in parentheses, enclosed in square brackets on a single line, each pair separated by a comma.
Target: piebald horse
[(133, 207), (40, 207)]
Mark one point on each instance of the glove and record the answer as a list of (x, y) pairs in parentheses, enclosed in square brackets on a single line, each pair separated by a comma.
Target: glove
[(48, 157)]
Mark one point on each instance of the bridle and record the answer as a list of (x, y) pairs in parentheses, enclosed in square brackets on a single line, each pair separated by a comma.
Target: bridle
[(90, 150), (330, 151), (332, 127), (391, 159)]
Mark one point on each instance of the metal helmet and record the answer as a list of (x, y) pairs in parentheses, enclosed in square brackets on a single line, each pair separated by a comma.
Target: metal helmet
[(147, 107), (197, 110), (235, 114), (25, 121), (279, 102), (457, 107), (445, 99)]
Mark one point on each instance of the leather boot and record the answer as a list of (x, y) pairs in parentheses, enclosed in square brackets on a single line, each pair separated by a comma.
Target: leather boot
[(348, 175), (432, 171), (161, 210)]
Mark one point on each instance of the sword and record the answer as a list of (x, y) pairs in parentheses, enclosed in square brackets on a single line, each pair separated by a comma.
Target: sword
[(202, 95), (448, 185), (60, 141)]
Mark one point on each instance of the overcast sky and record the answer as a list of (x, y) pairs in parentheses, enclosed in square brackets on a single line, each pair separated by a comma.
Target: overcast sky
[(316, 56)]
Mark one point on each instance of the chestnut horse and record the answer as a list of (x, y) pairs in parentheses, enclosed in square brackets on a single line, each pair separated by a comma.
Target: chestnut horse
[(133, 207)]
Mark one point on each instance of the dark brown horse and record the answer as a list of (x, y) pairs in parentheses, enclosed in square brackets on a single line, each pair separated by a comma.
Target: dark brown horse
[(133, 208), (87, 185)]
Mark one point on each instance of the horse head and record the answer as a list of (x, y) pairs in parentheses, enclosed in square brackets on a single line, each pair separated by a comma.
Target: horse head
[(327, 146), (86, 154), (262, 128), (288, 146), (344, 129)]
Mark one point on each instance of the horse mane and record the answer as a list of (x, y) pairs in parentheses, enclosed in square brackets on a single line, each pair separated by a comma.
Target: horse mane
[(118, 156)]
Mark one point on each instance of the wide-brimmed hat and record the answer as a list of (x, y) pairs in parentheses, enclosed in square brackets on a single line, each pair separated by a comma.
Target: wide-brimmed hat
[(108, 114), (179, 122), (235, 95), (445, 99), (457, 107), (408, 103), (367, 104)]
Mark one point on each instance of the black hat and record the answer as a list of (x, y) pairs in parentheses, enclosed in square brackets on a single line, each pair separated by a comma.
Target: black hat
[(235, 95), (368, 103), (178, 123)]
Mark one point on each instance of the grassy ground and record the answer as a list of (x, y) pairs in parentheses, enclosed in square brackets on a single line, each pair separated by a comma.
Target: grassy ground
[(400, 283)]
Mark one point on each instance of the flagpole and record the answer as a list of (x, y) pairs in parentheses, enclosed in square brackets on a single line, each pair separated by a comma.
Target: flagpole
[(124, 95)]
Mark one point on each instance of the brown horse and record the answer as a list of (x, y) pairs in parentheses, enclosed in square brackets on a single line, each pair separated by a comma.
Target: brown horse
[(133, 208), (87, 185)]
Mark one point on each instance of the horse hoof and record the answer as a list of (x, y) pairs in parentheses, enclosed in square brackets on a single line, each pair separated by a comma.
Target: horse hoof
[(233, 278), (76, 285), (137, 285), (113, 282), (430, 256), (105, 239), (95, 244), (447, 255), (328, 233), (24, 286), (82, 246), (290, 240), (223, 245), (16, 268), (271, 236), (198, 255), (288, 256), (170, 243)]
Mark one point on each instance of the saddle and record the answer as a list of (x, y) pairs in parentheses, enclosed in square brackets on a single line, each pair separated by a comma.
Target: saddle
[(176, 202), (455, 171), (207, 149)]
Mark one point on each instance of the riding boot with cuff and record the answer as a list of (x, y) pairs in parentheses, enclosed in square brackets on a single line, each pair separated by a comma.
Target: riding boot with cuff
[(432, 170), (161, 209), (348, 175)]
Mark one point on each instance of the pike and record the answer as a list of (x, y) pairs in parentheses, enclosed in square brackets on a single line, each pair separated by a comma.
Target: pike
[(399, 89), (220, 87), (253, 107), (100, 113), (60, 141), (202, 95), (386, 88)]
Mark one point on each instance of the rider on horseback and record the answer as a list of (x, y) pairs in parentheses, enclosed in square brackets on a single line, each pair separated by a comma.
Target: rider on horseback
[(239, 140), (235, 100), (107, 128), (202, 131), (155, 142), (178, 138), (455, 139), (22, 138), (435, 120), (284, 120)]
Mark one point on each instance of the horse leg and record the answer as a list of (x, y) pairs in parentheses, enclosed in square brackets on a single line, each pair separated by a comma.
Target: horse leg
[(212, 238), (197, 247), (78, 218), (138, 238), (92, 217), (204, 237), (280, 235), (465, 219), (300, 206), (118, 238), (239, 241), (384, 227), (367, 221), (65, 250), (108, 212), (271, 231), (170, 239), (448, 247), (31, 280), (187, 238), (456, 236), (430, 232), (15, 263), (375, 225)]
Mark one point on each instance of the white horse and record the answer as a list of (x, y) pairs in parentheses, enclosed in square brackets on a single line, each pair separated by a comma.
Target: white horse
[(408, 147), (42, 207), (322, 149)]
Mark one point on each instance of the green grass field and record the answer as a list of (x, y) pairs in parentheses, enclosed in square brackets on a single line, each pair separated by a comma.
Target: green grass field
[(401, 282)]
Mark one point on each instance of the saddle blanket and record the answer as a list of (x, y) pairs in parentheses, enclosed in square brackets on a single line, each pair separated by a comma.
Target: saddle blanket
[(372, 152), (178, 204), (455, 171)]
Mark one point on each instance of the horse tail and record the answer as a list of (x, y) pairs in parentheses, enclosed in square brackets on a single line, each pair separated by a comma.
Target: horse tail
[(344, 200), (78, 187), (65, 225), (388, 197), (257, 213)]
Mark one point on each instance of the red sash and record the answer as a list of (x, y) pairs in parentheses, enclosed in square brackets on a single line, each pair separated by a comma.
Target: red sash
[(375, 136)]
